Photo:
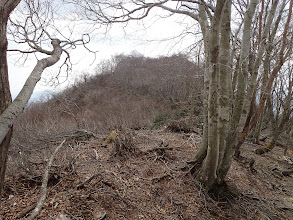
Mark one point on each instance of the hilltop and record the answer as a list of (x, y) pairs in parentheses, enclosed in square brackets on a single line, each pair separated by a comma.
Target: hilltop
[(129, 131)]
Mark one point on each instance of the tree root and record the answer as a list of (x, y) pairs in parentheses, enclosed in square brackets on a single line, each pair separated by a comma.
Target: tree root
[(223, 192)]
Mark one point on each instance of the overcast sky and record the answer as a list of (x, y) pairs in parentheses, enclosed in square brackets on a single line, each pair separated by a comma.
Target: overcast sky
[(144, 38)]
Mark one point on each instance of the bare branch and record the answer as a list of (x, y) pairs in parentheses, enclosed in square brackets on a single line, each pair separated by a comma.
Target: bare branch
[(43, 193), (177, 11), (8, 117)]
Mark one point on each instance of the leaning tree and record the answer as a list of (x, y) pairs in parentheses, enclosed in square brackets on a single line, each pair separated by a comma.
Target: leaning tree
[(239, 38), (30, 24)]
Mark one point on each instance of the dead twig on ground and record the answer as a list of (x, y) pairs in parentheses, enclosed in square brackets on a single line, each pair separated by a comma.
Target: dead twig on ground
[(27, 210), (160, 151), (287, 172), (81, 185), (81, 135)]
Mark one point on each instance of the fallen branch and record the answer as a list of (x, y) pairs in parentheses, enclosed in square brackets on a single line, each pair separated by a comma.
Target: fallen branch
[(160, 178), (96, 154), (27, 210), (76, 135), (160, 151), (44, 189), (81, 185), (161, 148), (287, 172)]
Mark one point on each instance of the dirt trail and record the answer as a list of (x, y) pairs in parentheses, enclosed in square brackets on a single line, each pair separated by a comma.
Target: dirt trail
[(145, 182)]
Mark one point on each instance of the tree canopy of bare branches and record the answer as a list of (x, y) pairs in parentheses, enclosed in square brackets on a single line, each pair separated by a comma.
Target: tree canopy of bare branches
[(31, 25)]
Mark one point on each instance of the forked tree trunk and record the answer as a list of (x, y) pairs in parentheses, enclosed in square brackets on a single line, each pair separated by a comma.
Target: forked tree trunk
[(222, 132), (14, 109), (240, 87)]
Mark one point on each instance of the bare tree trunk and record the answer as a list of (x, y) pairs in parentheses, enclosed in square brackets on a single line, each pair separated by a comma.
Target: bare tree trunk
[(289, 140), (240, 93), (253, 118), (267, 69), (14, 109), (225, 87), (5, 97), (266, 66), (256, 64), (201, 154), (25, 32), (281, 121), (207, 173), (243, 65)]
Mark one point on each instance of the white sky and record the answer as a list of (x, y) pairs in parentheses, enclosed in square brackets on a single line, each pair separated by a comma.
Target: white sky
[(117, 40)]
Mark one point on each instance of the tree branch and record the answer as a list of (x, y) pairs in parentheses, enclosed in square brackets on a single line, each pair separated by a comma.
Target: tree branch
[(9, 116), (8, 6), (44, 189), (177, 11)]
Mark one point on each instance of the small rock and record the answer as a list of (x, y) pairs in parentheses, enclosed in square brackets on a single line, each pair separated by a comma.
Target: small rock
[(62, 217), (100, 215)]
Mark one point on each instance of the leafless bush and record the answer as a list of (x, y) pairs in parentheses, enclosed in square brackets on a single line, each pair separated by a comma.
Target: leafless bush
[(179, 126), (123, 144)]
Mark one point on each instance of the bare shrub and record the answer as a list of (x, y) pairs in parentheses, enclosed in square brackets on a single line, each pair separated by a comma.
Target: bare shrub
[(123, 144), (128, 92), (179, 126)]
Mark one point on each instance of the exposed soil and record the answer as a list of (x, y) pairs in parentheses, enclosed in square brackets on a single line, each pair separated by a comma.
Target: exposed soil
[(146, 182)]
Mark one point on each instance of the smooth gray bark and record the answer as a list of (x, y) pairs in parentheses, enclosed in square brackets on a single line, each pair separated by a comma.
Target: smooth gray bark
[(10, 114), (203, 21), (207, 174), (225, 101)]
